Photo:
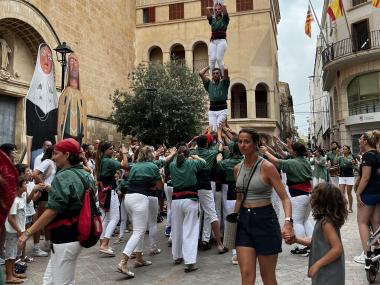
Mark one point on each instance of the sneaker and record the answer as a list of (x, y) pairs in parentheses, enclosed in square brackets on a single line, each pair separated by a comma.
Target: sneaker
[(298, 250), (168, 231), (37, 251), (119, 240), (360, 258), (368, 263), (235, 260)]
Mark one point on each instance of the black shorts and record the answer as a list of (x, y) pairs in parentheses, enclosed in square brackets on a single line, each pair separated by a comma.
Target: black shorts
[(259, 228), (43, 198)]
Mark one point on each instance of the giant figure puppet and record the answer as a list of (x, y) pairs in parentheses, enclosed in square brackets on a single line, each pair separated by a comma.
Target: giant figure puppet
[(41, 104), (72, 113)]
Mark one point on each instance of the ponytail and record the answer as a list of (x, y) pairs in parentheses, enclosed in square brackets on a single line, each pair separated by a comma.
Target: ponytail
[(183, 153)]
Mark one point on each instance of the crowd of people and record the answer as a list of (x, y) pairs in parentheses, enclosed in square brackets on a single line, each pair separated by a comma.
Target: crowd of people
[(203, 187)]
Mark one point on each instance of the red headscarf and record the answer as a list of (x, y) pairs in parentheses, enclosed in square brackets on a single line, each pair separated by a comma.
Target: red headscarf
[(68, 145)]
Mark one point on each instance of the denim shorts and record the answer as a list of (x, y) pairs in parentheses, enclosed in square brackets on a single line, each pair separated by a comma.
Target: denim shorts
[(371, 199), (258, 228)]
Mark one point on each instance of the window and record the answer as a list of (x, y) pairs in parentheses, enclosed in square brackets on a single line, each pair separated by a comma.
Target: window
[(176, 11), (358, 2), (204, 5), (149, 15), (363, 94), (261, 101), (244, 5), (238, 101), (361, 36)]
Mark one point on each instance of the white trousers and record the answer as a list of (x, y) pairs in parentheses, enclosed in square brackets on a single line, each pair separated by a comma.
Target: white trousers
[(301, 211), (207, 203), (216, 118), (216, 50), (152, 221), (316, 181), (185, 230), (137, 206), (123, 218), (168, 193), (334, 180), (111, 218), (61, 267)]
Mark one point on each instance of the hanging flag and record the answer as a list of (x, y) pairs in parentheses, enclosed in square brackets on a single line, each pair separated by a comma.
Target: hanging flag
[(376, 3), (309, 19), (335, 9)]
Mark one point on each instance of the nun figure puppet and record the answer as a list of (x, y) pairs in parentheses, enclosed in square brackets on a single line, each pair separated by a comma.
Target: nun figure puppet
[(72, 112), (41, 105)]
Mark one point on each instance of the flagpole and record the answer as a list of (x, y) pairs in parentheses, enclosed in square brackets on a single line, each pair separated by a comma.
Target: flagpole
[(320, 29), (345, 17)]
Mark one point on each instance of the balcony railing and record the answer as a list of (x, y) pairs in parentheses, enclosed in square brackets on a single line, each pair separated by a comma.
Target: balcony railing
[(364, 107), (350, 46)]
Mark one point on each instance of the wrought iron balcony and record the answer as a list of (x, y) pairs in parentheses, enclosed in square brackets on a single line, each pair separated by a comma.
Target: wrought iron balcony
[(364, 107), (349, 46)]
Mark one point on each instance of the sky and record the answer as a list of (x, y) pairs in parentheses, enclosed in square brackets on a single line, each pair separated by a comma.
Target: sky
[(296, 54)]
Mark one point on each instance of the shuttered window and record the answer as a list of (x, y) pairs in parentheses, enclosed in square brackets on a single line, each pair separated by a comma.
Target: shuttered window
[(204, 5), (176, 11), (149, 15), (244, 5)]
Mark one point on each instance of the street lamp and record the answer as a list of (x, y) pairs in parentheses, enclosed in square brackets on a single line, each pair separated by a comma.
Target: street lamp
[(63, 49)]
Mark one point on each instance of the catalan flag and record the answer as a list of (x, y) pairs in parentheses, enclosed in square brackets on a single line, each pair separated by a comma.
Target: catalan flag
[(335, 9), (309, 19), (376, 3)]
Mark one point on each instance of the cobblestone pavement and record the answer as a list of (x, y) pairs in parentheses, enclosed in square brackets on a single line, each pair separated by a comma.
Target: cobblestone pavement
[(92, 268)]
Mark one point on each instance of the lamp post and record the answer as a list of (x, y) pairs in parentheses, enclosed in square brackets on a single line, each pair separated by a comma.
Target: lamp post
[(63, 49)]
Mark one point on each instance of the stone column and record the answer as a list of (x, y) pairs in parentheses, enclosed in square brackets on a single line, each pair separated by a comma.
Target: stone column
[(166, 57), (271, 104), (251, 104), (189, 59)]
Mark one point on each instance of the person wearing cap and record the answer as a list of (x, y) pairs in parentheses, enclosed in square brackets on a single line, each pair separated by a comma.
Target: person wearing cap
[(64, 202), (105, 169)]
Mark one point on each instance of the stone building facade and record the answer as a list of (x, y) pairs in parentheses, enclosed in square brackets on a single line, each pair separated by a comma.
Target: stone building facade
[(110, 39), (105, 50), (172, 28), (351, 71)]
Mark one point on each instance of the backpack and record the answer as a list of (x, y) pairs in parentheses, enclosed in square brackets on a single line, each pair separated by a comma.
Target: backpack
[(89, 219)]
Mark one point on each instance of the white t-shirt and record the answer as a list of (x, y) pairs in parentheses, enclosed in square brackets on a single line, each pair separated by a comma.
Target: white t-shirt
[(29, 209), (48, 169), (18, 209), (37, 160)]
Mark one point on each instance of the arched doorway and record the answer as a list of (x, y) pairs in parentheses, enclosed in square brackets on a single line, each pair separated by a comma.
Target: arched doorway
[(155, 55), (261, 96), (177, 53), (238, 101), (200, 56)]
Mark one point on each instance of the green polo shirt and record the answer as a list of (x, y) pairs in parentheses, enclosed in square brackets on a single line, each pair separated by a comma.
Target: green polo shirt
[(185, 175), (67, 189), (320, 170), (219, 23), (207, 154), (144, 171), (297, 169), (217, 92), (227, 166), (109, 166)]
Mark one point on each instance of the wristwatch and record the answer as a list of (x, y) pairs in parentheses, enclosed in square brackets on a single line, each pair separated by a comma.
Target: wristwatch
[(289, 219)]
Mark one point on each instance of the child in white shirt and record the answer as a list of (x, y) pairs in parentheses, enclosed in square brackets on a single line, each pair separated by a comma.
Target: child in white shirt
[(15, 226)]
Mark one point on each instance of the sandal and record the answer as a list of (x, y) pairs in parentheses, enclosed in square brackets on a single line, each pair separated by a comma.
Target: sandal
[(28, 259), (223, 251), (190, 268), (108, 252), (155, 251), (121, 268), (142, 263), (204, 245), (14, 281), (19, 276)]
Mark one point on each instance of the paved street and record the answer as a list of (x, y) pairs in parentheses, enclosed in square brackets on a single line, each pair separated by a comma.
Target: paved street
[(213, 268)]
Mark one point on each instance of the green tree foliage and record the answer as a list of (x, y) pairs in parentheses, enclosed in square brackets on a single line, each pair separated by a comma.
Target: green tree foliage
[(166, 104)]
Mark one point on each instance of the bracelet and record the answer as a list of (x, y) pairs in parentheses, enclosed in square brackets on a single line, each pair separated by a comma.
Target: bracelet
[(29, 233)]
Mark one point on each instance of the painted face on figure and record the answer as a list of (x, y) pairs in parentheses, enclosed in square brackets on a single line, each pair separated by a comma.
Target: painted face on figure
[(46, 60), (73, 71), (216, 75), (246, 144), (218, 10)]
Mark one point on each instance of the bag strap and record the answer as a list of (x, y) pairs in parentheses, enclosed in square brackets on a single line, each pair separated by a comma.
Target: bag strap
[(249, 180)]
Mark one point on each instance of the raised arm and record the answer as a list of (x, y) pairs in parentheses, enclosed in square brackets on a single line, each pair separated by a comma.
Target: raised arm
[(225, 75), (202, 73)]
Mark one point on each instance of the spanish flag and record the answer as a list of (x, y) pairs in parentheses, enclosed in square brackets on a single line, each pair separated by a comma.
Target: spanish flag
[(309, 19), (376, 3), (335, 9)]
